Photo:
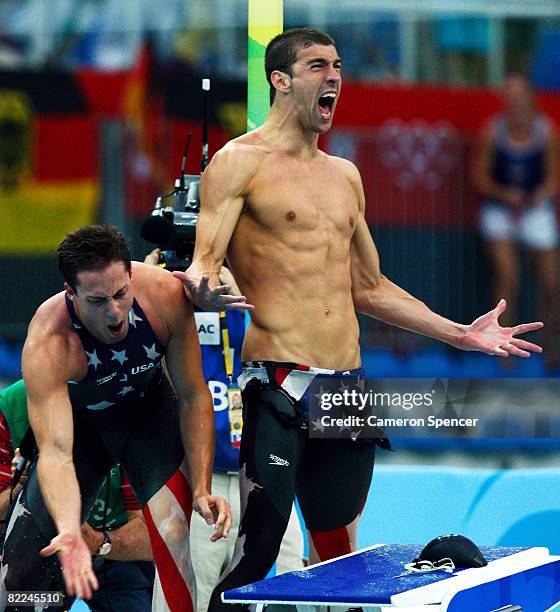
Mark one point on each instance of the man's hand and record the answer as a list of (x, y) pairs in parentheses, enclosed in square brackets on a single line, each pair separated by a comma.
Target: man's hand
[(199, 292), (75, 558), (215, 511), (486, 335)]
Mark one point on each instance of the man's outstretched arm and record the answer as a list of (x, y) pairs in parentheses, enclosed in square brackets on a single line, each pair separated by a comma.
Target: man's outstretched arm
[(45, 369), (375, 295)]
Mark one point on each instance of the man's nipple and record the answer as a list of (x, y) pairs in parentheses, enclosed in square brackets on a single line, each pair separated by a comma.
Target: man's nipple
[(290, 215)]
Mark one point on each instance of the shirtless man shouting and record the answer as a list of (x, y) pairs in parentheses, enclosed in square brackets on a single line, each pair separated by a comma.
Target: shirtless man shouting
[(290, 220)]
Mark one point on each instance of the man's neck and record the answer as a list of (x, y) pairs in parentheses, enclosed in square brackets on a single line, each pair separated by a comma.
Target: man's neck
[(283, 129)]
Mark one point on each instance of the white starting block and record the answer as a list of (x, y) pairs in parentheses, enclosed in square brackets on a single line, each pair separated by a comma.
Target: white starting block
[(516, 579)]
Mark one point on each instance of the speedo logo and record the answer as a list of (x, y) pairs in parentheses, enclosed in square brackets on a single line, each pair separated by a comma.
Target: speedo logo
[(275, 460), (105, 379), (142, 368)]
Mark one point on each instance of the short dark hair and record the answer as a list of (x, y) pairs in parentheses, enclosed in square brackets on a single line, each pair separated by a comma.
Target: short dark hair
[(281, 52), (92, 247)]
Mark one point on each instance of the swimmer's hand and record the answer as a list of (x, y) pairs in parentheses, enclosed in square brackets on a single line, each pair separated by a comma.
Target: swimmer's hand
[(486, 335), (219, 298), (75, 558), (215, 511)]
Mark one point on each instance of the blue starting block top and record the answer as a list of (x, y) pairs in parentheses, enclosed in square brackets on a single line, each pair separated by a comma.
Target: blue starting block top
[(374, 572), (369, 577)]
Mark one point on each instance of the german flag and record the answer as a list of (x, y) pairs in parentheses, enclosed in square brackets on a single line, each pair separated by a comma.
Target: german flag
[(48, 161)]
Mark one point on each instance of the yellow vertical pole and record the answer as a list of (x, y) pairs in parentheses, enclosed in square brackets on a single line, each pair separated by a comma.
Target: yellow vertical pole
[(266, 20)]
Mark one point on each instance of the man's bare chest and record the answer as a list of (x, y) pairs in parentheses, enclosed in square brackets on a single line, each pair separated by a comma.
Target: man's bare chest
[(282, 199)]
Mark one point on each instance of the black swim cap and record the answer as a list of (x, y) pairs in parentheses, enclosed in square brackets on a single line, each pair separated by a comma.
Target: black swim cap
[(462, 551)]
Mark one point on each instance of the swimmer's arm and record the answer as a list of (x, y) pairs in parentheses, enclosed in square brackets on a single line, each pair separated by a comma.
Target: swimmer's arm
[(223, 188), (47, 367), (183, 361), (50, 415), (222, 192), (375, 295), (482, 174), (196, 411)]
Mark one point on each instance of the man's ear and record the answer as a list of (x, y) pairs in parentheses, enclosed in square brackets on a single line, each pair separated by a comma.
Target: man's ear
[(281, 81), (69, 291)]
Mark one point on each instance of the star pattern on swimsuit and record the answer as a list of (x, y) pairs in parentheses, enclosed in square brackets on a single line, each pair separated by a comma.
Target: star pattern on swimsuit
[(341, 428), (119, 356), (151, 352), (76, 326), (100, 405), (133, 317), (125, 390), (124, 378), (317, 425), (93, 359), (320, 395), (361, 384), (19, 510)]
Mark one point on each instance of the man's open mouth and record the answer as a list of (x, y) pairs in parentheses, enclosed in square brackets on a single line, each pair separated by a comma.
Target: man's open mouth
[(116, 329), (326, 103)]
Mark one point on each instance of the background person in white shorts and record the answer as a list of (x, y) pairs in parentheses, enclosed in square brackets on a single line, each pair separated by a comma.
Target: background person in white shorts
[(517, 173)]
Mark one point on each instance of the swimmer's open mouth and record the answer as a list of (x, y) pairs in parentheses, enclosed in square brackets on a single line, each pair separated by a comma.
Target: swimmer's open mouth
[(116, 329), (326, 103)]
